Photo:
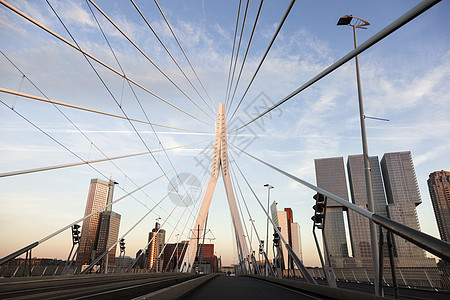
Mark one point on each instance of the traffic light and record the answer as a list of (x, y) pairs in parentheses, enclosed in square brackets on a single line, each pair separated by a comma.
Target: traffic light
[(276, 239), (76, 233), (122, 245), (319, 210)]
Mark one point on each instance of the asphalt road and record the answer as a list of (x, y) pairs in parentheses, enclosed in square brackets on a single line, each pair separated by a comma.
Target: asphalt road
[(229, 287)]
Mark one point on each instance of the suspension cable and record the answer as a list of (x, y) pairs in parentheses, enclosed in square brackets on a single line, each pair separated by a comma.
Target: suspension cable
[(134, 226), (139, 221), (245, 56), (185, 225), (132, 90), (398, 23), (205, 171), (111, 94), (265, 55), (23, 250), (171, 56), (232, 51), (96, 59), (27, 171), (291, 252), (184, 53), (242, 215), (261, 246), (147, 57), (79, 157), (237, 53), (32, 97), (79, 130)]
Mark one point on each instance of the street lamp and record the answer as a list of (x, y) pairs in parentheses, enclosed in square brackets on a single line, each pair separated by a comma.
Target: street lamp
[(177, 235), (269, 187), (361, 23), (251, 230)]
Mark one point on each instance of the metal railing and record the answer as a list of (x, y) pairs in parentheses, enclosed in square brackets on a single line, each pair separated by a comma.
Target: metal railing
[(425, 278)]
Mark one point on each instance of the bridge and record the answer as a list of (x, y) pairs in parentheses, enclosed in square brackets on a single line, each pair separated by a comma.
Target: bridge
[(256, 273)]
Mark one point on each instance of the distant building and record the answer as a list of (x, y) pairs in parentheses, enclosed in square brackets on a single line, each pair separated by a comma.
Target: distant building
[(154, 258), (108, 234), (141, 258), (439, 187), (297, 240), (124, 262), (290, 230), (100, 192), (330, 176), (402, 192), (173, 253), (207, 261)]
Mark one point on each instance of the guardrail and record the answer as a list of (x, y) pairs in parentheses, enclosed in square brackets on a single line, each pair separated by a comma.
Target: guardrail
[(425, 278)]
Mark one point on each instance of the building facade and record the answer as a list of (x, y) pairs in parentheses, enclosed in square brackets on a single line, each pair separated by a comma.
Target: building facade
[(402, 192), (108, 234), (290, 230), (173, 254), (439, 188), (297, 240), (154, 257), (99, 193), (359, 225), (330, 176)]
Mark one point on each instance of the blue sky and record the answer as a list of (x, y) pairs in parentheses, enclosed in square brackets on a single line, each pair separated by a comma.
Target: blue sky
[(404, 79)]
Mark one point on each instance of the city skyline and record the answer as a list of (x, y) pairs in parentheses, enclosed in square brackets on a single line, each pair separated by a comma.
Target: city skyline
[(396, 196), (321, 122)]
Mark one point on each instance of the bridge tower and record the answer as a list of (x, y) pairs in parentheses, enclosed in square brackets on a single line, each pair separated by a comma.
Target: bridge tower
[(220, 163)]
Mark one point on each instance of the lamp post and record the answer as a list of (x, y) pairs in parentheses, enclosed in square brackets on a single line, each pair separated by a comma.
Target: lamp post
[(251, 230), (109, 201), (269, 187), (361, 23), (177, 235)]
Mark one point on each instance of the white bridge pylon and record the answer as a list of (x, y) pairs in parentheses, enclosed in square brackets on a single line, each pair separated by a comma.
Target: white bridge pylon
[(220, 162)]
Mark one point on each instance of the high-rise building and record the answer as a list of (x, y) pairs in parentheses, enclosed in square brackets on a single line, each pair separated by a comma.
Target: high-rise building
[(439, 187), (155, 259), (99, 193), (290, 230), (140, 259), (359, 225), (108, 234), (330, 176), (297, 240), (402, 192)]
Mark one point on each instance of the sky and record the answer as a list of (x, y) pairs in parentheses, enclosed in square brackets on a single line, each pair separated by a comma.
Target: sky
[(404, 79)]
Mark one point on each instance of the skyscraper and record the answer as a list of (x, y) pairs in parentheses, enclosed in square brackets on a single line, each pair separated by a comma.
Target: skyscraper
[(107, 234), (290, 230), (297, 240), (439, 187), (330, 176), (99, 192), (154, 256), (359, 225), (403, 196)]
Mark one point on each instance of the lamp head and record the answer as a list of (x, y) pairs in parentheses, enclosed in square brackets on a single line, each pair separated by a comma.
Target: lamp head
[(345, 20)]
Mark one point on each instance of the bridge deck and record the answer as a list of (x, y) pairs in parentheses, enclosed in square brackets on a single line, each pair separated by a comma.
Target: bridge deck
[(230, 287)]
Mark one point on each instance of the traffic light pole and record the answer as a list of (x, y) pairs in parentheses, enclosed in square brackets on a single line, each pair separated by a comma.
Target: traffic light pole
[(75, 242), (319, 222)]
